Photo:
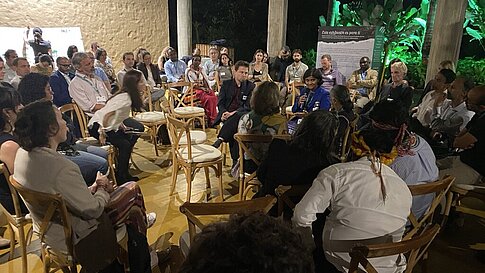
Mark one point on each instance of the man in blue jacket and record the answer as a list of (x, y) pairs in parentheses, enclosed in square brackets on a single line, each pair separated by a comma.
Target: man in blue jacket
[(60, 80)]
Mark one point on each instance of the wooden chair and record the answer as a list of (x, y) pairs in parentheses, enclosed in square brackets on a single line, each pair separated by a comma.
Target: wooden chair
[(192, 157), (441, 190), (56, 211), (193, 210), (183, 107), (287, 194), (249, 181), (196, 136), (16, 223), (295, 91), (461, 191), (73, 110), (415, 248), (151, 119), (347, 139)]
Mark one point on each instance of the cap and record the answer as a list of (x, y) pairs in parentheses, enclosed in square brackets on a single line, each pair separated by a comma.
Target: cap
[(37, 30)]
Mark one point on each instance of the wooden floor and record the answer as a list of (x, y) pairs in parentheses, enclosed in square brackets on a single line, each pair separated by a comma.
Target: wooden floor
[(452, 252)]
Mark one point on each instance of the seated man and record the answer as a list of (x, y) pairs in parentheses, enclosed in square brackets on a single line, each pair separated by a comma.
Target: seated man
[(331, 76), (210, 67), (60, 80), (415, 162), (363, 82), (294, 73), (423, 112), (9, 55), (22, 68), (174, 68), (249, 244), (234, 101), (469, 166), (453, 116)]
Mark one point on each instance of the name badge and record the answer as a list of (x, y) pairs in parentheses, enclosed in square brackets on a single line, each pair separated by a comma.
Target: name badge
[(223, 73), (100, 99), (245, 97)]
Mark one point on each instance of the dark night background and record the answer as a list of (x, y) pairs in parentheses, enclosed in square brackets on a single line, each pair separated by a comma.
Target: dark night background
[(244, 23)]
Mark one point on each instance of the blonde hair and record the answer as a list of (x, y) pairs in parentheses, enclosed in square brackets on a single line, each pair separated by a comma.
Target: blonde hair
[(400, 66), (448, 64)]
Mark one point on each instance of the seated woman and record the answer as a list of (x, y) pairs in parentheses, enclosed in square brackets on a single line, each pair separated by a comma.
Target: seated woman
[(44, 66), (149, 70), (264, 118), (94, 211), (344, 108), (367, 200), (9, 107), (195, 74), (224, 71), (298, 161), (398, 89), (89, 158), (100, 62), (258, 70), (112, 123)]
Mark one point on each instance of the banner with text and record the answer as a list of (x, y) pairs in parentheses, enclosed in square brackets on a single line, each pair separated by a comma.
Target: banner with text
[(346, 45)]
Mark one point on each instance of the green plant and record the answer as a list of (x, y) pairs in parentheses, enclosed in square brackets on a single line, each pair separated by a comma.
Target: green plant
[(472, 68), (475, 21), (309, 57)]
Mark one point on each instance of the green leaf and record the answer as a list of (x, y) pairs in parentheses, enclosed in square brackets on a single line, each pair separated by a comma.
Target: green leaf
[(474, 33), (322, 20), (421, 22)]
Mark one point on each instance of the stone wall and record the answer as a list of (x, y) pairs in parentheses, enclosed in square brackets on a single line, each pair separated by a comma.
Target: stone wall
[(117, 25)]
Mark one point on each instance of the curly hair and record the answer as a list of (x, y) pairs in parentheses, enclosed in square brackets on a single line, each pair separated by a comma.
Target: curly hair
[(265, 99), (35, 124), (32, 87), (248, 243)]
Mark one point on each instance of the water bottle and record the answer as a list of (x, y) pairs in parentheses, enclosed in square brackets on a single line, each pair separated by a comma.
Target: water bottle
[(316, 106)]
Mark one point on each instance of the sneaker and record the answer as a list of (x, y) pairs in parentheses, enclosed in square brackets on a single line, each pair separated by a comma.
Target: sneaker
[(151, 219), (218, 143)]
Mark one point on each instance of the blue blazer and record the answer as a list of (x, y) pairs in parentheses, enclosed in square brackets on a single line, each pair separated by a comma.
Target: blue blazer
[(321, 95), (60, 87)]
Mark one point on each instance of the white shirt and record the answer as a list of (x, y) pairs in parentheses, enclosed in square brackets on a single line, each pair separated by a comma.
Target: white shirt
[(425, 108), (121, 105), (88, 91), (353, 194), (9, 73), (16, 81), (450, 116)]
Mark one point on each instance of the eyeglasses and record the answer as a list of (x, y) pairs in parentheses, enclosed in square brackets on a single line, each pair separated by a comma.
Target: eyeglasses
[(65, 65)]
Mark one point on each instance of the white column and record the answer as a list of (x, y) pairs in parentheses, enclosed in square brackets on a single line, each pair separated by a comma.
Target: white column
[(184, 27), (277, 15), (447, 32)]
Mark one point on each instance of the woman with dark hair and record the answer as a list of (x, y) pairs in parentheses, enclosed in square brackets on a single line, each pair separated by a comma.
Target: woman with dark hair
[(313, 96), (44, 66), (101, 57), (9, 107), (90, 159), (258, 70), (195, 74), (95, 211), (344, 108), (368, 201), (110, 122), (263, 119), (149, 70), (224, 71), (71, 50), (298, 161)]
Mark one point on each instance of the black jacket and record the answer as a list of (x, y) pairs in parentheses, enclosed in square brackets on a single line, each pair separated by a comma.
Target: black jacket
[(225, 97), (155, 72)]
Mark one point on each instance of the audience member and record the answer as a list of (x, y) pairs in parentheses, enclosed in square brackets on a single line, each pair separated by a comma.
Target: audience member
[(224, 70), (331, 76), (98, 71), (9, 107), (38, 44), (429, 86), (415, 162), (40, 128), (210, 66), (149, 70), (188, 59), (101, 62), (279, 64), (293, 73), (423, 112), (264, 118), (71, 50), (10, 73), (343, 107), (112, 123), (451, 118), (369, 203), (224, 50), (364, 81), (298, 161), (44, 66), (2, 75), (251, 244), (138, 56), (469, 167), (174, 68), (313, 96), (60, 80), (163, 59), (258, 71), (204, 93), (234, 101), (94, 50), (398, 89), (22, 68), (90, 159)]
